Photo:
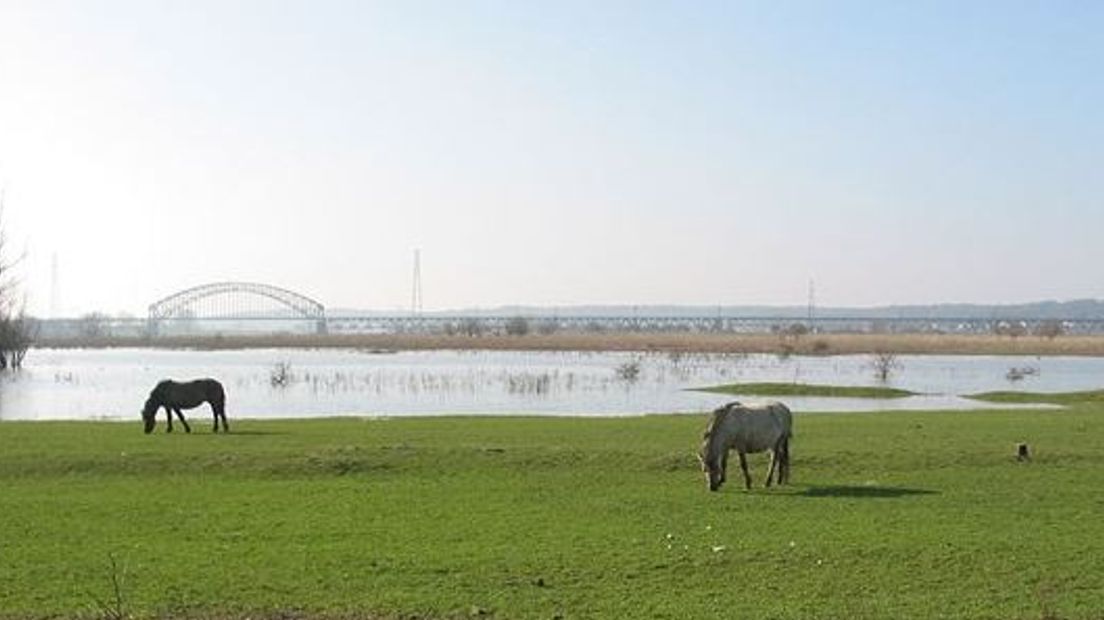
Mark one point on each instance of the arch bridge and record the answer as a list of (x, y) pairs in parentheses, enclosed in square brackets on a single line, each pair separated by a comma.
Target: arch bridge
[(236, 301)]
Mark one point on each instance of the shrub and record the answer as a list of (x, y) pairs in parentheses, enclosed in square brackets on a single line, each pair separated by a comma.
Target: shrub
[(1050, 329), (885, 364), (279, 375), (628, 371), (517, 326)]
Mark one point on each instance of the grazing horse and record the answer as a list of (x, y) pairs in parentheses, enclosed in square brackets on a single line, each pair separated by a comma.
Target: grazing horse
[(746, 429), (175, 396)]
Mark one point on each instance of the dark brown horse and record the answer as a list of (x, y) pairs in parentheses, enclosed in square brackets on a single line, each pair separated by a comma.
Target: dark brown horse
[(175, 396)]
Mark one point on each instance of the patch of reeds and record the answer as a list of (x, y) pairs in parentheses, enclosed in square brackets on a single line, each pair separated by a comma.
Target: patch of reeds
[(681, 342)]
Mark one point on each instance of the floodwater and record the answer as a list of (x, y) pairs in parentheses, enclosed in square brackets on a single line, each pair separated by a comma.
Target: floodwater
[(112, 384)]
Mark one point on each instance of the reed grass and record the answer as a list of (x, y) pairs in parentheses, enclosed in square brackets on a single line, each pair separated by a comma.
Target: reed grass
[(812, 344)]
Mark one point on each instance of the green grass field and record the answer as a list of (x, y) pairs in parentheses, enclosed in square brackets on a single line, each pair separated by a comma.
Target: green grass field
[(890, 515)]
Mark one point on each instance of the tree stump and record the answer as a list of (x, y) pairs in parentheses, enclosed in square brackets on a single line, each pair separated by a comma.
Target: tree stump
[(1023, 452)]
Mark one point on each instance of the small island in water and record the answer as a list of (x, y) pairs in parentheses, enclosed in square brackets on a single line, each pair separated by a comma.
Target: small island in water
[(806, 389)]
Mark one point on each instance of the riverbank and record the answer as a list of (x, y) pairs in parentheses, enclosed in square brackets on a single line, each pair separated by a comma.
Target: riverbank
[(905, 515), (809, 344), (316, 382)]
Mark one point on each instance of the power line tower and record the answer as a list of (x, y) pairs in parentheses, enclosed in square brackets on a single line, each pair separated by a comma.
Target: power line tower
[(812, 303), (55, 289), (416, 292)]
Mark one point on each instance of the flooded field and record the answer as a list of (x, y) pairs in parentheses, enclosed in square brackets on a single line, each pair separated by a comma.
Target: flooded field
[(111, 384)]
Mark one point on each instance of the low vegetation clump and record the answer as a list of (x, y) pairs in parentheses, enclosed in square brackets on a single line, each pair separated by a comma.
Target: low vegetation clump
[(909, 515), (806, 389)]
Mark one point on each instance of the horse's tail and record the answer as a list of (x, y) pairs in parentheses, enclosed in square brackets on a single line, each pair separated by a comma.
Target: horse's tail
[(218, 394), (785, 417)]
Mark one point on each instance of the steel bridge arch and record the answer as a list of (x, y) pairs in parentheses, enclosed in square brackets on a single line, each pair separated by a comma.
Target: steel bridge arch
[(173, 305)]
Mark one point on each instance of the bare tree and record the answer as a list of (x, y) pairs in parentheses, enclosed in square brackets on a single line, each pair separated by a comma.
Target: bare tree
[(1050, 329), (472, 327), (548, 327), (94, 325), (884, 363), (17, 333), (517, 326), (17, 330)]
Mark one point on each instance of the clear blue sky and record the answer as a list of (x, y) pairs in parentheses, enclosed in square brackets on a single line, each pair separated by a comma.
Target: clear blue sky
[(555, 153)]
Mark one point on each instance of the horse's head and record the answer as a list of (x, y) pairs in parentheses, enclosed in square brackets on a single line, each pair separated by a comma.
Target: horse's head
[(711, 467), (711, 454), (149, 413)]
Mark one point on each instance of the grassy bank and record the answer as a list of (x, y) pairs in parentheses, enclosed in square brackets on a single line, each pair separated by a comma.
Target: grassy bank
[(890, 515), (813, 344), (806, 389)]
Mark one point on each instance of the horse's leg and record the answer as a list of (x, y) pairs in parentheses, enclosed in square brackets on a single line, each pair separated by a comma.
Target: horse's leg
[(180, 414), (773, 466), (724, 467), (781, 459), (743, 466), (168, 416), (219, 411), (781, 455), (784, 474)]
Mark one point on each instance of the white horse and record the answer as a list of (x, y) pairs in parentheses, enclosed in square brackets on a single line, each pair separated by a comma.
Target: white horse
[(747, 429)]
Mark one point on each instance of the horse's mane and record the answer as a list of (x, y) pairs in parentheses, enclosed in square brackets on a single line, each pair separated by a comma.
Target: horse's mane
[(717, 417), (156, 395)]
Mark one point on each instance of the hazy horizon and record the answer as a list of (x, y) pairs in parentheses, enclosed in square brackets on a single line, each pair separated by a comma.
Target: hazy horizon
[(554, 155), (1039, 309)]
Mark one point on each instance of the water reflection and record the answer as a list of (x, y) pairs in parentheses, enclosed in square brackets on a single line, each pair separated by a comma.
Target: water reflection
[(112, 384)]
